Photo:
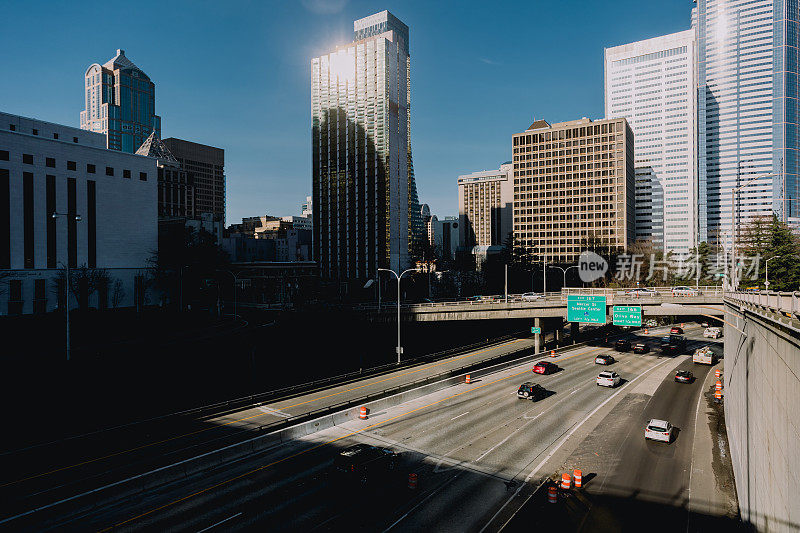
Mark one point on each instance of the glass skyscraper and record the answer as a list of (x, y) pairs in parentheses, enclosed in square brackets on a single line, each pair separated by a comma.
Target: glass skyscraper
[(747, 111), (366, 209), (652, 84), (120, 103)]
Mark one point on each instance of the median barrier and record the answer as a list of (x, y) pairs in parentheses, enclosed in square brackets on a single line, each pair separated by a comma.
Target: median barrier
[(293, 428)]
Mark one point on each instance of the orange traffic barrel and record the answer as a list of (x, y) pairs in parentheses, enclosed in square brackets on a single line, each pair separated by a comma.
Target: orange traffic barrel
[(718, 394), (552, 353), (566, 481), (552, 494), (645, 331), (412, 481), (578, 478), (363, 414), (681, 324), (467, 380), (718, 385), (718, 373)]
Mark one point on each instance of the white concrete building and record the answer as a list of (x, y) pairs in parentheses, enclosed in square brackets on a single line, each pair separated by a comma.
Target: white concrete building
[(46, 168), (652, 83), (299, 222)]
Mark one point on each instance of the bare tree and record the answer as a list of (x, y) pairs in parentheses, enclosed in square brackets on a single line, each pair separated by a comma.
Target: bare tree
[(117, 294), (82, 283)]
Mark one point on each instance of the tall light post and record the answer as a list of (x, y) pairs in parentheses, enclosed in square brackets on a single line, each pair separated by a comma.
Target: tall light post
[(234, 289), (766, 274), (734, 221), (77, 218), (399, 346), (564, 272)]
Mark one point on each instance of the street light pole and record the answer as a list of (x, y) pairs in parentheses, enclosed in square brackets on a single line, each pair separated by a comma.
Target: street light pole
[(399, 346), (564, 272), (56, 215), (766, 274)]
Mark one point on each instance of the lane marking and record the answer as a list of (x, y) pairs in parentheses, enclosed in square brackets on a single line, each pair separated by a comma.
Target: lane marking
[(234, 421), (307, 450), (276, 412), (554, 450), (220, 522), (459, 416)]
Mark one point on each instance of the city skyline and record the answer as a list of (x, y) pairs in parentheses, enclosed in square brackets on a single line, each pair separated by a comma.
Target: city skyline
[(269, 165)]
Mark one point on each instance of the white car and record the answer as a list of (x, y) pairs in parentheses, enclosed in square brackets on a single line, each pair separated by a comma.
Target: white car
[(658, 430), (608, 379), (712, 333), (684, 291), (531, 296)]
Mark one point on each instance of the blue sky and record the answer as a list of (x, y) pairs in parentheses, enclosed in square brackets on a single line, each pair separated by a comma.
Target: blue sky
[(236, 75)]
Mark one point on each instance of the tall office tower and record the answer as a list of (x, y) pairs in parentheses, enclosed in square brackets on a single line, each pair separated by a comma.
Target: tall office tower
[(366, 210), (120, 103), (652, 83), (574, 185), (747, 112), (485, 200), (206, 168)]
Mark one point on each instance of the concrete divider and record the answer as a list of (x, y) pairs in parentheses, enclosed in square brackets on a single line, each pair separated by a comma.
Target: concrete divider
[(307, 425)]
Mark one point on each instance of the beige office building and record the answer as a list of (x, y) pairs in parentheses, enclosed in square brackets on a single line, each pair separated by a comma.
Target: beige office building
[(484, 207), (574, 182)]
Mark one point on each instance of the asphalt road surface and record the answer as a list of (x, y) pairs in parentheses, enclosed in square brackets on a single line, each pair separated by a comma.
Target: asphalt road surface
[(477, 449)]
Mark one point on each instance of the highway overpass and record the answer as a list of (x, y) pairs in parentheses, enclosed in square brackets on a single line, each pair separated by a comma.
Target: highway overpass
[(663, 302)]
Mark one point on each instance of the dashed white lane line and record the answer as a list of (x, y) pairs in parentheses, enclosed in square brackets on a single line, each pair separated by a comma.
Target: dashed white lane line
[(275, 412), (459, 416)]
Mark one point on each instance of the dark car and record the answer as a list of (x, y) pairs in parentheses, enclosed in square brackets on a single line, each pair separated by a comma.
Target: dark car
[(604, 359), (676, 330), (531, 391), (360, 462), (641, 347), (622, 345), (672, 344), (684, 376), (545, 367)]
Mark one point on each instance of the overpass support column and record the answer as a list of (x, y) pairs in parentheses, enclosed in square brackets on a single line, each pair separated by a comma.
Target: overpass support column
[(557, 332), (537, 338), (574, 331)]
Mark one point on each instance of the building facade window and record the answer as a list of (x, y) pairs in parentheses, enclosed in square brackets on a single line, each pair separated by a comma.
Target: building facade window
[(50, 222), (91, 222), (72, 165), (5, 220), (90, 168), (27, 219), (109, 171), (50, 162), (27, 159)]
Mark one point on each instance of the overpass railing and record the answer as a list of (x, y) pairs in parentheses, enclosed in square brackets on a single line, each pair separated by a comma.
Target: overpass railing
[(785, 302), (656, 294)]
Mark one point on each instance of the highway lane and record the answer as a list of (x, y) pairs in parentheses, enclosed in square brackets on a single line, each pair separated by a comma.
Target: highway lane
[(38, 475), (469, 444), (631, 481)]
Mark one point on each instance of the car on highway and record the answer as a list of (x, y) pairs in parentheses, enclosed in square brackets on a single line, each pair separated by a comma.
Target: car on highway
[(641, 347), (531, 296), (604, 359), (676, 330), (712, 333), (684, 291), (545, 367), (641, 292), (658, 430), (531, 391), (704, 356), (608, 379), (671, 344), (684, 376), (622, 345), (360, 462)]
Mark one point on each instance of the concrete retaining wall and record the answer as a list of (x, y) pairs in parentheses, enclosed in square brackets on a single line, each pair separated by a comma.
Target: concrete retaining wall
[(762, 414)]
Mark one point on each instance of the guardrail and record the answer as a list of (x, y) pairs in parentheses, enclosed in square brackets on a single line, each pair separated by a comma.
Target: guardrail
[(785, 302)]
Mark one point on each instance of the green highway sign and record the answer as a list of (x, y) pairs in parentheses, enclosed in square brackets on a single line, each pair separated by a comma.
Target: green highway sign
[(536, 330), (591, 309), (627, 315)]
